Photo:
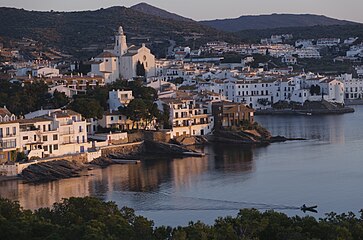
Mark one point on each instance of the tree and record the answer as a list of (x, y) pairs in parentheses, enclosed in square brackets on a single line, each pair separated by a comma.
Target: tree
[(315, 90), (59, 99), (136, 110), (88, 107), (140, 69)]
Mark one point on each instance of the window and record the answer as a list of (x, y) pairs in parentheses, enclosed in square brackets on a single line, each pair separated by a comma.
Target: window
[(14, 130), (80, 129), (55, 146), (55, 137), (46, 148), (111, 118), (45, 138), (25, 138)]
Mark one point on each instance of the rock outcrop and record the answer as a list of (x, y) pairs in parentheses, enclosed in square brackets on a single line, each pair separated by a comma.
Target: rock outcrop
[(50, 171)]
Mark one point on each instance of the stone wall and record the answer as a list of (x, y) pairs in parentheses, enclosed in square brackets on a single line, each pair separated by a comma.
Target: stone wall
[(124, 149), (135, 137), (157, 136)]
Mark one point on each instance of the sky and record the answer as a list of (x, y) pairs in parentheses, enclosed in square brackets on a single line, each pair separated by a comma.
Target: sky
[(209, 9)]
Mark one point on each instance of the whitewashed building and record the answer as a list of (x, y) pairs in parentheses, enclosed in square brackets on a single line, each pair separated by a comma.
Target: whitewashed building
[(121, 61), (118, 98), (189, 118)]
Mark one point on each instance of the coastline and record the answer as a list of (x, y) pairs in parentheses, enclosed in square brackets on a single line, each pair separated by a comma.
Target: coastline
[(305, 111)]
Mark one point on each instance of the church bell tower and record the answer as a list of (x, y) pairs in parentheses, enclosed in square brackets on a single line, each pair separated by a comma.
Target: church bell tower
[(120, 42)]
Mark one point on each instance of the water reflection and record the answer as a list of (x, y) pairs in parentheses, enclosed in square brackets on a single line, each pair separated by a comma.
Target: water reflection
[(323, 128), (150, 176), (326, 170)]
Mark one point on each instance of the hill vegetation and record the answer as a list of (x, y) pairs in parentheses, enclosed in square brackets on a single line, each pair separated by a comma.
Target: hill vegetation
[(90, 218), (273, 21), (76, 32), (313, 32), (151, 10)]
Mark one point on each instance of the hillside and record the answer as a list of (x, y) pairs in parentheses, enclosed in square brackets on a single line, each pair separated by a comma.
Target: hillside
[(314, 32), (151, 10), (78, 32), (273, 21)]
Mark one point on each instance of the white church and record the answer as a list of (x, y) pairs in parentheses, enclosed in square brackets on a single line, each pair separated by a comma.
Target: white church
[(121, 61)]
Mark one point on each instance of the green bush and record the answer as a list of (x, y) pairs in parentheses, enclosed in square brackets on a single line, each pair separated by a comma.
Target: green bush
[(90, 218)]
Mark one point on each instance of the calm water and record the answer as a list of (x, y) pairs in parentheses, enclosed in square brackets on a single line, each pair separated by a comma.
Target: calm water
[(326, 170)]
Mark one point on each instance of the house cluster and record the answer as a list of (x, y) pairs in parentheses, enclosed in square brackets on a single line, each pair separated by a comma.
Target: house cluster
[(258, 88), (281, 46), (45, 133), (274, 39), (199, 94)]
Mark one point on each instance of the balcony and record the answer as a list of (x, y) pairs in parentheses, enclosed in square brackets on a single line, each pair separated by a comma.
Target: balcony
[(3, 136), (69, 132), (9, 144)]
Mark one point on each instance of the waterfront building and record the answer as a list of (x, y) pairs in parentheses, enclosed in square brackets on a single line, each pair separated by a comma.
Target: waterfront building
[(56, 133), (229, 114), (188, 117), (9, 140), (353, 87)]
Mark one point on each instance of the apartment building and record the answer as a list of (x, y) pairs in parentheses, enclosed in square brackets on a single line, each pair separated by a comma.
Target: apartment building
[(58, 133), (189, 117)]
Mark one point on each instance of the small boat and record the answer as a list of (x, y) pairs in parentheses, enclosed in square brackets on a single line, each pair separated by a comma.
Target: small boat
[(309, 113), (124, 161), (194, 154), (304, 208)]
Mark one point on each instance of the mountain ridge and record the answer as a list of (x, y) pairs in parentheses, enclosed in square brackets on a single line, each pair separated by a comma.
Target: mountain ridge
[(155, 11), (73, 31), (271, 21)]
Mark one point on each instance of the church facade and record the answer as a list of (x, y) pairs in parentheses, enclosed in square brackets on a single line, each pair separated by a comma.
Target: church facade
[(121, 62)]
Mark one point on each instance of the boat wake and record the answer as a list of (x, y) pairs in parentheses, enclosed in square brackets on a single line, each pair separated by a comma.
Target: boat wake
[(168, 202)]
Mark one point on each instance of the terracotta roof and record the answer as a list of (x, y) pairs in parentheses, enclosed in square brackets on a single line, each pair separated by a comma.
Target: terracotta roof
[(4, 112), (106, 55), (33, 120), (64, 113)]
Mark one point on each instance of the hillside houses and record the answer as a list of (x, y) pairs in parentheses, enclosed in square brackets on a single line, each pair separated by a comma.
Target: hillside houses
[(57, 133)]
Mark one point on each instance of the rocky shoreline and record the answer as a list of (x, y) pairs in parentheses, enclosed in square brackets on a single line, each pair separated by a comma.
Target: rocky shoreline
[(63, 169), (305, 112), (51, 171)]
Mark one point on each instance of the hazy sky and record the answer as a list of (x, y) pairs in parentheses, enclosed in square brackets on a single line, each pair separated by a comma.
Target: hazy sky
[(210, 9)]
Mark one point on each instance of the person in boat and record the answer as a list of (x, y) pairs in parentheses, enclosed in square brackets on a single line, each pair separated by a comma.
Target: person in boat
[(304, 208)]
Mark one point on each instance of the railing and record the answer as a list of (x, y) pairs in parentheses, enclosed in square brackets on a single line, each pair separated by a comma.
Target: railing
[(7, 144), (67, 132), (7, 135)]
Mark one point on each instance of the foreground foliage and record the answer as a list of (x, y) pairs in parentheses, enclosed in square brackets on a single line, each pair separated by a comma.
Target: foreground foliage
[(90, 218)]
